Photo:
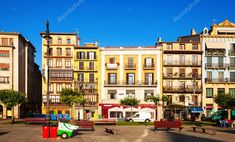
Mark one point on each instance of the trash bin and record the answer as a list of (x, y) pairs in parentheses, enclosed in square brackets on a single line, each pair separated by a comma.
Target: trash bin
[(45, 130), (53, 130)]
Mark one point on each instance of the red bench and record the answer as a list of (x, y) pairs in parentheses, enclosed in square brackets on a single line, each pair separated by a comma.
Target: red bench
[(84, 124), (168, 124), (106, 122), (35, 120)]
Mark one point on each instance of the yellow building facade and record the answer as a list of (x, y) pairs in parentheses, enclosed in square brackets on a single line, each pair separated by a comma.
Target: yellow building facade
[(61, 69), (86, 72)]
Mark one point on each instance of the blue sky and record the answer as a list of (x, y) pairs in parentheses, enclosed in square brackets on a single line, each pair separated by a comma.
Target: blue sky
[(113, 22)]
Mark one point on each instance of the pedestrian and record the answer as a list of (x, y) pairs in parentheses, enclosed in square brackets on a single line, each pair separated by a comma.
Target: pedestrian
[(225, 122), (233, 123), (221, 122)]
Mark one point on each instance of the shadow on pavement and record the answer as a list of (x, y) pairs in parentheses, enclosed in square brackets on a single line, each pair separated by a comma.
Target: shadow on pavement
[(227, 131), (3, 133), (180, 137)]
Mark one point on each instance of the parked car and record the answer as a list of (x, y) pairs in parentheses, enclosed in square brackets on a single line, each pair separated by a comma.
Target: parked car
[(141, 116)]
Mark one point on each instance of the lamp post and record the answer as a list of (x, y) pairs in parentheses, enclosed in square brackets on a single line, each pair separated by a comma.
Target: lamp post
[(47, 37)]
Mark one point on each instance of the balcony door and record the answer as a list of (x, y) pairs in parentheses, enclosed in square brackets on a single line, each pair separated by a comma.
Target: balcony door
[(209, 75), (194, 72), (112, 78), (209, 61), (182, 59), (148, 78), (130, 62), (194, 59), (221, 61), (232, 76), (169, 85), (130, 78), (221, 76), (182, 85)]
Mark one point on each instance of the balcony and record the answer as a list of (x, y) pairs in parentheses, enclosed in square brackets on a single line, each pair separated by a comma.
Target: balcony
[(130, 67), (110, 66), (232, 53), (215, 53), (216, 66), (123, 83), (182, 76), (219, 80), (232, 67), (182, 89), (148, 67), (181, 64)]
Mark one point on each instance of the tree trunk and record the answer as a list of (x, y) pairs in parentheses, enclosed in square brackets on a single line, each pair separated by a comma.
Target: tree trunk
[(131, 111), (12, 116), (229, 114)]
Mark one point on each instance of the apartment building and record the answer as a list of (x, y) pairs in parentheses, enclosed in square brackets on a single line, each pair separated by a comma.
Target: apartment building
[(16, 69), (86, 69), (182, 73), (128, 72), (61, 67), (218, 62)]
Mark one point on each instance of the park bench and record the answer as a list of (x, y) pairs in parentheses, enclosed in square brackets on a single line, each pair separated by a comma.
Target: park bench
[(106, 122), (204, 129), (84, 124), (168, 124), (35, 120), (111, 130)]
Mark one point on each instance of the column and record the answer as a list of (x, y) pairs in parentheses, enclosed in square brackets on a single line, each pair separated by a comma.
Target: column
[(139, 68), (121, 68)]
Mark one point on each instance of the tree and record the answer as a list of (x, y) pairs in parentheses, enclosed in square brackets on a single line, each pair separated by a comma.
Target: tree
[(156, 101), (165, 99), (226, 101), (130, 101), (11, 99), (71, 98)]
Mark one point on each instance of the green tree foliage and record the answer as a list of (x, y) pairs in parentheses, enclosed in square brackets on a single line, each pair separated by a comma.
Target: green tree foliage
[(154, 99), (11, 99), (223, 100), (165, 98), (130, 101)]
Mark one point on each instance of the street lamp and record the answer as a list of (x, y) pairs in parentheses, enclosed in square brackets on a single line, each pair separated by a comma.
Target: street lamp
[(47, 37)]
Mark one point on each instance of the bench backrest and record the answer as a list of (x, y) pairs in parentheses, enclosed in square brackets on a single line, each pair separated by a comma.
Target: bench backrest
[(167, 124)]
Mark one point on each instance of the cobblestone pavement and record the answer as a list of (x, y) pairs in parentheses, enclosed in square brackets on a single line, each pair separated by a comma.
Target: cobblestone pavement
[(32, 133)]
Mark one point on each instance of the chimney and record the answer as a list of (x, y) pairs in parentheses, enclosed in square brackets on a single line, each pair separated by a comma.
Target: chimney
[(193, 32)]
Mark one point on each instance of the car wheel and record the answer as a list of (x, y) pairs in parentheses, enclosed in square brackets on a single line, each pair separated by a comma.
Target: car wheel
[(64, 135), (131, 120), (147, 120)]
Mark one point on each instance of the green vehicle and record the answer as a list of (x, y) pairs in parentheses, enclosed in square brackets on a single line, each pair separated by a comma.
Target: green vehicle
[(221, 114), (66, 130)]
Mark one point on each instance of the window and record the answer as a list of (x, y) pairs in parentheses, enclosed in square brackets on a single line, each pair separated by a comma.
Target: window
[(58, 87), (112, 78), (148, 93), (59, 51), (91, 77), (80, 77), (169, 72), (4, 80), (195, 47), (59, 62), (194, 59), (4, 53), (182, 84), (112, 96), (169, 46), (130, 62), (50, 62), (220, 91), (59, 40), (182, 59), (68, 63), (59, 111), (4, 67), (169, 59), (68, 51), (68, 41), (91, 55), (148, 62), (221, 76), (209, 92), (182, 46), (232, 76), (81, 65), (91, 65), (51, 88), (182, 98), (112, 60), (80, 55), (130, 78), (51, 52), (232, 91), (182, 72), (11, 41), (195, 73), (130, 93), (4, 41), (148, 78)]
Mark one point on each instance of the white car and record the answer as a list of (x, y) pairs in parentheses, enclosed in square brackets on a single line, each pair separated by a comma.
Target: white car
[(141, 116)]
